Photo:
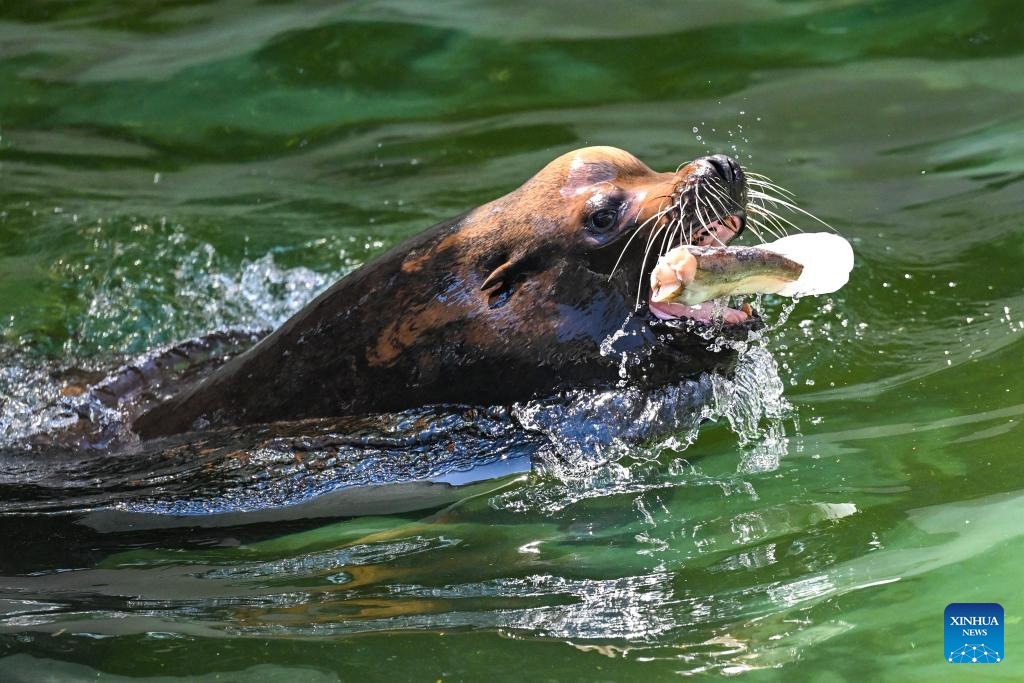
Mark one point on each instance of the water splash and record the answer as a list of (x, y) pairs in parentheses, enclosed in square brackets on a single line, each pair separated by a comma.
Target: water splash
[(132, 298), (753, 404), (159, 285), (612, 442), (29, 399)]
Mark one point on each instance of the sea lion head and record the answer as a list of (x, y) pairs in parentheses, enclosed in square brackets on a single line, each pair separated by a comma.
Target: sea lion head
[(606, 209), (542, 290), (566, 257)]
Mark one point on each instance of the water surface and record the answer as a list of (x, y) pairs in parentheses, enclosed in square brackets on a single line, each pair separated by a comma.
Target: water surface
[(171, 169)]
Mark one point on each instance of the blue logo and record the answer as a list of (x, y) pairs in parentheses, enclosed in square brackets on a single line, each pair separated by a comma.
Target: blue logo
[(974, 633)]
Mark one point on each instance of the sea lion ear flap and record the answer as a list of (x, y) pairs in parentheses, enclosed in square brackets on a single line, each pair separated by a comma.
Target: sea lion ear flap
[(504, 268), (501, 275), (499, 282)]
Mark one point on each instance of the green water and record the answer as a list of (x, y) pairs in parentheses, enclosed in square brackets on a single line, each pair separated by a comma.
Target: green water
[(168, 168)]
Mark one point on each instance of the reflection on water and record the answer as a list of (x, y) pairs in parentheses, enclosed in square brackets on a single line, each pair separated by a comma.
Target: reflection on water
[(169, 170), (394, 577)]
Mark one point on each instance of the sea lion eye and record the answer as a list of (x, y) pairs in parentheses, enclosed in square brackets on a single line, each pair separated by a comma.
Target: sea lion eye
[(603, 220)]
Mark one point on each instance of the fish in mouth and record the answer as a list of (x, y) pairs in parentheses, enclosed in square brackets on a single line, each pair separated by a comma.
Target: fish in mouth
[(686, 279)]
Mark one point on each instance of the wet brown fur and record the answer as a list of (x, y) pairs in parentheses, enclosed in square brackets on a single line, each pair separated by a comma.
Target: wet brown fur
[(509, 301)]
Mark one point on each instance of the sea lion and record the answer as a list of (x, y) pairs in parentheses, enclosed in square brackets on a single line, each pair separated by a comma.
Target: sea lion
[(539, 291)]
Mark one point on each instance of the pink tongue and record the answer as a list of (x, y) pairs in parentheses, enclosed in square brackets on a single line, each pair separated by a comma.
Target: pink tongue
[(703, 312), (721, 231)]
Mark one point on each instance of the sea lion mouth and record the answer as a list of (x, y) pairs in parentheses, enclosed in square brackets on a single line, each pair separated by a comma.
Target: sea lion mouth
[(717, 232), (707, 209), (703, 204)]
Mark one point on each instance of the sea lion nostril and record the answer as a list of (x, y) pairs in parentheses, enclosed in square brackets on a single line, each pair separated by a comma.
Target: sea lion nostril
[(726, 167), (731, 173)]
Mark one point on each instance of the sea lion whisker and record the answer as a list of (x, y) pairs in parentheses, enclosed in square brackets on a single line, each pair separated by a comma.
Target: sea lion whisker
[(757, 209), (713, 210), (717, 196), (726, 200), (764, 181), (679, 231), (715, 232), (718, 219), (763, 194), (765, 178), (773, 193), (623, 252), (715, 187), (647, 251), (686, 225), (670, 235), (758, 227), (768, 188), (707, 223), (791, 207), (661, 228), (768, 213), (705, 228), (654, 231), (664, 237), (694, 225), (697, 209)]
